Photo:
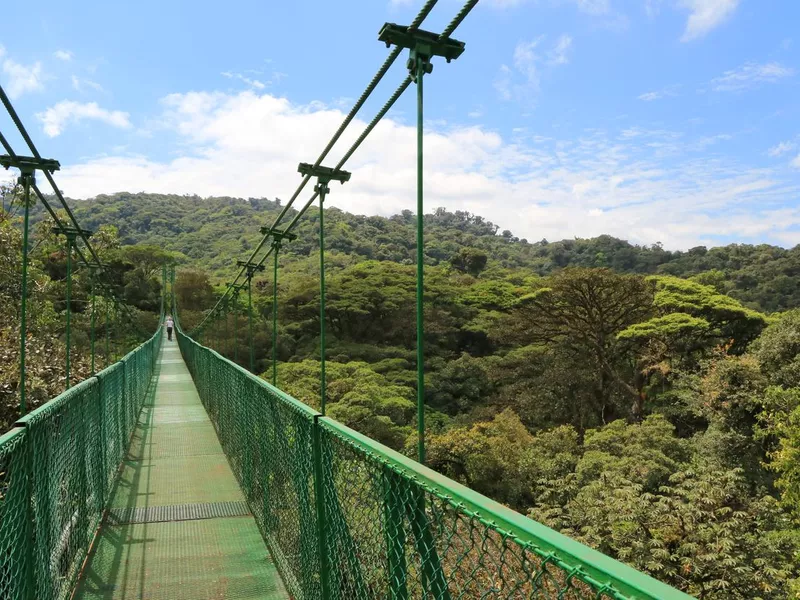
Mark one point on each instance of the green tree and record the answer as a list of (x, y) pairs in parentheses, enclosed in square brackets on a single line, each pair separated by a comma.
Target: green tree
[(470, 260), (357, 396), (193, 290), (778, 350), (702, 533), (579, 313)]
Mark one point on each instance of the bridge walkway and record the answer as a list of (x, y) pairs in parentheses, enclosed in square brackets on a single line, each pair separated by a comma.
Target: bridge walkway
[(178, 526)]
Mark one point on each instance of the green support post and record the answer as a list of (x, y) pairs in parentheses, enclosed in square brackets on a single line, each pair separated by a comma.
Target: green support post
[(72, 235), (215, 331), (420, 72), (70, 242), (27, 165), (322, 188), (321, 514), (324, 175), (276, 246), (27, 179), (227, 339), (93, 271), (250, 270), (277, 242), (236, 289), (173, 291), (250, 320), (118, 328), (108, 334), (423, 45), (163, 290), (236, 326)]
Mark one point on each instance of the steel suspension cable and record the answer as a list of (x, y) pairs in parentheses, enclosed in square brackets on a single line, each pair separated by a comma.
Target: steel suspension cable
[(59, 223), (393, 55), (24, 133)]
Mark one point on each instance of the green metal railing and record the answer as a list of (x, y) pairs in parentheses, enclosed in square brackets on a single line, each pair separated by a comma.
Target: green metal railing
[(348, 518), (57, 469)]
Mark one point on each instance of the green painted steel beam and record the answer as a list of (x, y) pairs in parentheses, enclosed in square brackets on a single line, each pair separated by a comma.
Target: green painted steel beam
[(29, 164), (425, 42), (323, 174), (277, 235)]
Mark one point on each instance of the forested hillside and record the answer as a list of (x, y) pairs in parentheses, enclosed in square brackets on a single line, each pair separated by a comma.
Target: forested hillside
[(644, 401), (214, 232)]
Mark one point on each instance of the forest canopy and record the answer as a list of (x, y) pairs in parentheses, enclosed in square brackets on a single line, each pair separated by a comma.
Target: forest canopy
[(644, 401)]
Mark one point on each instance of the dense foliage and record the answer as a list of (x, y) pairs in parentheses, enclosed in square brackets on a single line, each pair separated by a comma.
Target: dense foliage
[(643, 401), (214, 232), (134, 278)]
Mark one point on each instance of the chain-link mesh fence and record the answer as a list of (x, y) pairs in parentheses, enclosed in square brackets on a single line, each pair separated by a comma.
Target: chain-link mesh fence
[(57, 469), (395, 529), (267, 437), (15, 521), (347, 518)]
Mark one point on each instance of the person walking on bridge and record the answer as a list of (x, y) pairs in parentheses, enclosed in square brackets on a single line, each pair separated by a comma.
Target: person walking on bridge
[(170, 324)]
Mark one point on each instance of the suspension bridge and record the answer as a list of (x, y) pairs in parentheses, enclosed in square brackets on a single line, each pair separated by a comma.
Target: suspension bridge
[(176, 473)]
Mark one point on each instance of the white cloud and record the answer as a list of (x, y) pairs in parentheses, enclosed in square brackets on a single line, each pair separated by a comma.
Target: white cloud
[(526, 59), (558, 54), (254, 83), (796, 162), (502, 84), (668, 91), (705, 15), (600, 182), (80, 85), (781, 149), (56, 118), (706, 141), (652, 7), (64, 55), (22, 78), (592, 7), (650, 96), (750, 75), (523, 81)]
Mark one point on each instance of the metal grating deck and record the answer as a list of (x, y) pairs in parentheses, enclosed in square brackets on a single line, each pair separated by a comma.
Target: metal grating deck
[(178, 527), (177, 512)]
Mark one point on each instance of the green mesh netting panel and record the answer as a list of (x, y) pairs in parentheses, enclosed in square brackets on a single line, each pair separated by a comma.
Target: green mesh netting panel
[(347, 518), (57, 469), (390, 535), (15, 523), (267, 438)]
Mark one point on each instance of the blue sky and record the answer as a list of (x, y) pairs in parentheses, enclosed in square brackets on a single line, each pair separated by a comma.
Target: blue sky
[(673, 121)]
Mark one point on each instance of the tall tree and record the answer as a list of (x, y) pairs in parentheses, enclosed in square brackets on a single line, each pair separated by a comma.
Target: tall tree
[(579, 312)]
